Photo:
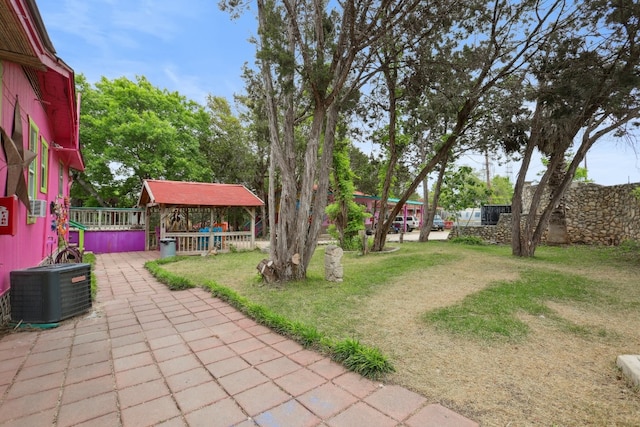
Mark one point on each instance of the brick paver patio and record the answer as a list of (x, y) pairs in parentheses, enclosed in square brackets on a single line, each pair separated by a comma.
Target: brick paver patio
[(147, 356)]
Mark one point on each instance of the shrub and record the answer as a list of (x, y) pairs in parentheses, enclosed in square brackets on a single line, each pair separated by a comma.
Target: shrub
[(366, 361), (90, 258), (468, 240)]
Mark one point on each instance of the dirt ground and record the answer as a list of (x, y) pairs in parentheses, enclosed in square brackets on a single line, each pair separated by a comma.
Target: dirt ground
[(552, 378)]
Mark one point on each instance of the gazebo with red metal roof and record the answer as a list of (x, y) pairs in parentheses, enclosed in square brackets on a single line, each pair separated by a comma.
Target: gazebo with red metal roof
[(180, 203)]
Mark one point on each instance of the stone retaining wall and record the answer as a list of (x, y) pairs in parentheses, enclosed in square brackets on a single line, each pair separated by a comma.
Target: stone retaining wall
[(595, 214), (499, 233)]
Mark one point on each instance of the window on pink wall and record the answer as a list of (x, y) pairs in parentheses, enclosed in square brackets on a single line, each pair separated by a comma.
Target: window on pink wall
[(60, 179), (32, 184), (32, 179), (44, 166)]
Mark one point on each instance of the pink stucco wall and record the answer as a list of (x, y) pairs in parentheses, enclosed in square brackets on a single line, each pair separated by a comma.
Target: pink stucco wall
[(29, 246)]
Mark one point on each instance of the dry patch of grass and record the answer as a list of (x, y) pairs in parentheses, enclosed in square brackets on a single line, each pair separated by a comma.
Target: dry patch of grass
[(562, 372)]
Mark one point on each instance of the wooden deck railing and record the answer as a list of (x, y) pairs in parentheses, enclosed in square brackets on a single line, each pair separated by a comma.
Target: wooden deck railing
[(187, 243), (108, 218), (201, 243)]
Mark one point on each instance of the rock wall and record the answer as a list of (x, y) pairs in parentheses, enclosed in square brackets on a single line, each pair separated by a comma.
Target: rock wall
[(595, 215), (499, 233), (603, 215)]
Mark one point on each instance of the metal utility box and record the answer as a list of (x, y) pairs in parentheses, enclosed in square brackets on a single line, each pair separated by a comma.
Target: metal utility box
[(50, 293), (490, 214)]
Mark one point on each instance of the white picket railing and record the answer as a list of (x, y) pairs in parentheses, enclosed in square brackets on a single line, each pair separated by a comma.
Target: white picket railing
[(202, 242), (108, 218), (187, 243)]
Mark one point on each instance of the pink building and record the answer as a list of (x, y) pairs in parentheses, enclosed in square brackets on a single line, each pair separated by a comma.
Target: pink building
[(372, 203), (39, 119)]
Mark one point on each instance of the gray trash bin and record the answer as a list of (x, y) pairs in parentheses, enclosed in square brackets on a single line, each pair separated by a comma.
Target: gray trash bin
[(167, 247)]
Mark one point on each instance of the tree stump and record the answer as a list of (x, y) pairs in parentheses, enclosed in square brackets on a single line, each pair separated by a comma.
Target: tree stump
[(267, 269)]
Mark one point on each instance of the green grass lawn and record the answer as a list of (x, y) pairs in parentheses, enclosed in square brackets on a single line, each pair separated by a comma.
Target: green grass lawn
[(330, 315), (314, 301)]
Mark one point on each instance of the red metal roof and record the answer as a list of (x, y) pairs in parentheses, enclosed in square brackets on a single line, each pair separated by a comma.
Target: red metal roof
[(196, 194)]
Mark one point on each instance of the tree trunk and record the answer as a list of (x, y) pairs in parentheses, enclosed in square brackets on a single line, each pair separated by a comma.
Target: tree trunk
[(521, 244), (330, 121), (282, 159), (303, 68), (442, 153), (557, 230), (426, 226), (263, 219), (384, 223)]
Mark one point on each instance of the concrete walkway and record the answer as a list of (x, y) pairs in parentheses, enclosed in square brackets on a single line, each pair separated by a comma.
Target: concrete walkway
[(147, 356)]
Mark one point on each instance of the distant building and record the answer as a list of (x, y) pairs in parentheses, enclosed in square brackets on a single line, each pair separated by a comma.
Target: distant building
[(469, 216)]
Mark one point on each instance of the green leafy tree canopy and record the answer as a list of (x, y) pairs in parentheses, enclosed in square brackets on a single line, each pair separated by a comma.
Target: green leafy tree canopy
[(462, 189), (132, 130), (501, 190)]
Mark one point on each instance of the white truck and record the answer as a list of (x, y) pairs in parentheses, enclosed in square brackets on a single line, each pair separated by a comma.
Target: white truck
[(409, 223)]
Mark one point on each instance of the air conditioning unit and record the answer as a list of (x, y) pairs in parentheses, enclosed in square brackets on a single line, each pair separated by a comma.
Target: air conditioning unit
[(50, 293), (38, 208)]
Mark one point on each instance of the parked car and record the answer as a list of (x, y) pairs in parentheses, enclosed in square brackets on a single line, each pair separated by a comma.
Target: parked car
[(437, 224), (411, 223), (392, 229)]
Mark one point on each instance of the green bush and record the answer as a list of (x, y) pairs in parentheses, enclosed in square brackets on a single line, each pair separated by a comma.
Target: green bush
[(352, 244), (366, 361), (90, 258), (468, 240)]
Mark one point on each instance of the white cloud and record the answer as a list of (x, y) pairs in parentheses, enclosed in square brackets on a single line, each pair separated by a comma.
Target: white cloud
[(111, 23), (74, 17), (187, 85), (143, 17)]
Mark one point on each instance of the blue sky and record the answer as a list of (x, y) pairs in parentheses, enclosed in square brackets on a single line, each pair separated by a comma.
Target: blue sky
[(194, 48), (187, 46)]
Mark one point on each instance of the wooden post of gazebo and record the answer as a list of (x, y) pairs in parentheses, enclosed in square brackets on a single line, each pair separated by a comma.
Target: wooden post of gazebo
[(253, 227), (146, 227)]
